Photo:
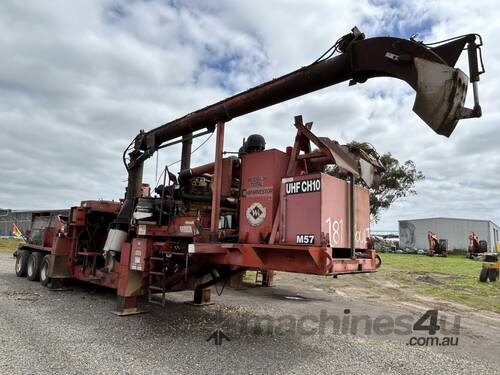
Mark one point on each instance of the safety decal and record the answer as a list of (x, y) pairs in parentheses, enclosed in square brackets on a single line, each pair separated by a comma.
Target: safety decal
[(256, 214)]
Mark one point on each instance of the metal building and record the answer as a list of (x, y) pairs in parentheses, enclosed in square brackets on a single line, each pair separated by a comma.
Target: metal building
[(22, 219), (413, 233)]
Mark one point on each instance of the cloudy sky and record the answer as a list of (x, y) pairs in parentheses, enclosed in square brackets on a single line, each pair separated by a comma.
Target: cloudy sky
[(78, 79)]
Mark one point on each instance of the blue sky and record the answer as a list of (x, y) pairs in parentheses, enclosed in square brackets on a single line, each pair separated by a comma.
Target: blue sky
[(79, 79)]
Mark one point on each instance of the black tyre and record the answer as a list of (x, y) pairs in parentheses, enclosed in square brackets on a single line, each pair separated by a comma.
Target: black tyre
[(483, 276), (22, 262), (34, 262), (492, 274), (44, 270), (491, 258), (378, 261)]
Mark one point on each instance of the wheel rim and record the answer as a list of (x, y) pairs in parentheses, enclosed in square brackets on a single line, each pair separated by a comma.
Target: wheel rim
[(30, 266), (43, 272), (18, 265)]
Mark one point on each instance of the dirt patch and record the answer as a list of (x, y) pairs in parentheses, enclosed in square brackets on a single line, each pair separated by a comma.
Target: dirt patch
[(22, 295), (427, 279), (433, 277)]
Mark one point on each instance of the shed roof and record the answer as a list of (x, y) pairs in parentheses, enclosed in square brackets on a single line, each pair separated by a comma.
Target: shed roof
[(450, 218)]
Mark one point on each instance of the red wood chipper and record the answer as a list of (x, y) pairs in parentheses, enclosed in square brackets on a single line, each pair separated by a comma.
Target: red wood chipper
[(264, 209)]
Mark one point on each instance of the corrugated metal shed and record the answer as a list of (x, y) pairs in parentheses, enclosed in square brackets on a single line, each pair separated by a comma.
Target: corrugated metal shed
[(22, 219), (413, 233)]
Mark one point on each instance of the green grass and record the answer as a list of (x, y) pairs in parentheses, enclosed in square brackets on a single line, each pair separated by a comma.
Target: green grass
[(8, 245), (454, 278), (249, 276)]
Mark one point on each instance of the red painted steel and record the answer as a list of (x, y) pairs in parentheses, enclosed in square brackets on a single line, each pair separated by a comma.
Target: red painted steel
[(323, 214), (315, 260), (217, 179), (260, 186)]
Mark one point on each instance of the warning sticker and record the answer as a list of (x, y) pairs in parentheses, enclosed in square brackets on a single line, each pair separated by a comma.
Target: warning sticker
[(186, 229), (141, 231)]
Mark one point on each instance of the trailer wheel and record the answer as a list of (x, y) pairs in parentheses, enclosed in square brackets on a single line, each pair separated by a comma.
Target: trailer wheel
[(378, 261), (492, 274), (483, 276), (34, 262), (22, 262), (44, 270)]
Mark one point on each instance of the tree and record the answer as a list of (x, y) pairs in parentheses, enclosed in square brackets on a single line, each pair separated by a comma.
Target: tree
[(396, 181)]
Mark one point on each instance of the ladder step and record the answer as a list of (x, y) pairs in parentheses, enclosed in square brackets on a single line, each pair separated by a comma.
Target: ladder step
[(154, 264), (154, 287), (89, 254)]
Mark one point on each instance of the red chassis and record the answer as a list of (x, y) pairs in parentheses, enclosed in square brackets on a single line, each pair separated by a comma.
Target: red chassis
[(291, 219), (265, 209)]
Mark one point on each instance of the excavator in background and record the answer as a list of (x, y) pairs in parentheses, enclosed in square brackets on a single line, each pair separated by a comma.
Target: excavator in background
[(263, 209), (437, 246), (476, 246)]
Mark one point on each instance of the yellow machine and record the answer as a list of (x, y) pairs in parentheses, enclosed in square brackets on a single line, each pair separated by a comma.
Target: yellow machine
[(490, 269)]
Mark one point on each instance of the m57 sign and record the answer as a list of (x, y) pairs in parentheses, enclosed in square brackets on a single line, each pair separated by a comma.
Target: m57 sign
[(305, 239)]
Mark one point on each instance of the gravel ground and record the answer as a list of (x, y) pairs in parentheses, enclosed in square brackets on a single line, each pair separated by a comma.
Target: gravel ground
[(73, 332)]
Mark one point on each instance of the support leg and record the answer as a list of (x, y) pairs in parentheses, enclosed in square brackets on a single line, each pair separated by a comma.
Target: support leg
[(267, 278), (56, 284), (127, 306), (236, 281), (202, 297), (264, 278)]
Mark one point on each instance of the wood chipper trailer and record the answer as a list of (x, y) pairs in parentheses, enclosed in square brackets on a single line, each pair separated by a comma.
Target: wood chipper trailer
[(265, 209)]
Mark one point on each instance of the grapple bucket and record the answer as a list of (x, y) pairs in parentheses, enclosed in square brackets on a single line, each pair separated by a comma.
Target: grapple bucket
[(441, 92)]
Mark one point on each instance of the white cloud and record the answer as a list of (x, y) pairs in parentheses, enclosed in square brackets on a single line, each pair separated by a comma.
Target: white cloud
[(79, 79)]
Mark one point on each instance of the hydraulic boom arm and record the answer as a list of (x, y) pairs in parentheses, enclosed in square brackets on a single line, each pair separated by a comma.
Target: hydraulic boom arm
[(440, 90)]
